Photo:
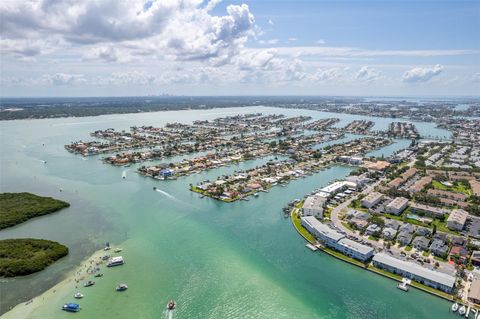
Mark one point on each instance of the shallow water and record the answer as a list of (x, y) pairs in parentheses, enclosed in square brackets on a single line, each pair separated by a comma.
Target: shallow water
[(217, 260)]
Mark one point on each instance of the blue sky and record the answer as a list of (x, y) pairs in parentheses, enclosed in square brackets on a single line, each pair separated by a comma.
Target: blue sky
[(190, 47)]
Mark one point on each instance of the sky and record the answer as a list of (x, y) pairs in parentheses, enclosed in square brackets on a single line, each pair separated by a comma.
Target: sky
[(194, 47)]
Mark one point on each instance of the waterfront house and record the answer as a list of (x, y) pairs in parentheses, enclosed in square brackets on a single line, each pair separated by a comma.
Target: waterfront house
[(333, 239), (420, 243), (413, 271), (313, 206), (438, 248), (474, 292)]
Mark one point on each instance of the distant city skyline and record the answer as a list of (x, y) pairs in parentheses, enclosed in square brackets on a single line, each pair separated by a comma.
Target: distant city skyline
[(331, 48)]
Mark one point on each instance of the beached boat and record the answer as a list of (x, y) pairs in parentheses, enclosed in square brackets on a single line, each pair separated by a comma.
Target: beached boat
[(455, 307), (462, 310), (71, 307), (171, 305), (78, 295), (121, 287), (89, 283), (116, 261)]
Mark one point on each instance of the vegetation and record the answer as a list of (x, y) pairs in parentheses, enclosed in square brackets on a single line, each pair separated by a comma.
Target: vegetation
[(20, 257), (297, 222), (16, 208)]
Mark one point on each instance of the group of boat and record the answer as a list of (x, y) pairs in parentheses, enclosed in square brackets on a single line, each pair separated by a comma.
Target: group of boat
[(463, 310), (75, 307)]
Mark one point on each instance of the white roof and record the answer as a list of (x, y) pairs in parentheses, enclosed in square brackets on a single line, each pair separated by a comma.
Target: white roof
[(458, 215), (438, 277), (353, 245), (322, 228)]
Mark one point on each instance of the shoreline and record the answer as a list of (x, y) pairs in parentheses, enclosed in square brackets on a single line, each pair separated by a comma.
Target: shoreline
[(370, 268), (27, 309)]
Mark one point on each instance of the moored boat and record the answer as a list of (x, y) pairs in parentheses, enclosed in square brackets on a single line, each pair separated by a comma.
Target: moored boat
[(78, 295), (89, 283), (455, 307), (98, 275), (116, 261), (462, 310), (117, 250)]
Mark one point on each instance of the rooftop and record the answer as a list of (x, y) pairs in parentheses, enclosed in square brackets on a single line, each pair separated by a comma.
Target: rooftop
[(415, 269)]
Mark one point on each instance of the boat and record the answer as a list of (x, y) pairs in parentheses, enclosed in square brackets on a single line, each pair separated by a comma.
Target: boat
[(116, 261), (403, 286), (117, 250), (98, 275), (462, 310), (89, 283), (78, 295), (154, 188), (121, 287), (256, 194), (71, 307), (455, 307), (171, 305)]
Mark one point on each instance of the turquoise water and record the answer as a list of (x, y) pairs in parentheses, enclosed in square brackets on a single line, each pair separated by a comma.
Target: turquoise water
[(217, 260)]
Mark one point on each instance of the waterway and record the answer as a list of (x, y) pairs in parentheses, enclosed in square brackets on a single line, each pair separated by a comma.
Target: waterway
[(217, 260)]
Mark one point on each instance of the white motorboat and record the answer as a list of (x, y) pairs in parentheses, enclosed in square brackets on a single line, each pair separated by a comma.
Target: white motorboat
[(403, 286), (78, 295), (117, 250), (121, 287), (455, 307), (116, 261), (462, 310)]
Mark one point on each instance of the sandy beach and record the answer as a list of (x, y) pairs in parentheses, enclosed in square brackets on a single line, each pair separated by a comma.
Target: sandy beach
[(58, 292)]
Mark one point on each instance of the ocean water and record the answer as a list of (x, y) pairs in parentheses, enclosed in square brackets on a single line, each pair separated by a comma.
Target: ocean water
[(217, 260)]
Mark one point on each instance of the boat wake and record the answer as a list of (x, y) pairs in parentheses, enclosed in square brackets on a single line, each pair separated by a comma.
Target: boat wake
[(124, 174), (165, 193), (168, 314)]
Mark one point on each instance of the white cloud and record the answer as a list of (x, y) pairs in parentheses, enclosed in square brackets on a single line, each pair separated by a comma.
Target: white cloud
[(270, 22), (368, 74), (292, 39), (62, 79), (334, 74), (418, 74), (178, 29), (322, 51), (271, 41), (320, 42)]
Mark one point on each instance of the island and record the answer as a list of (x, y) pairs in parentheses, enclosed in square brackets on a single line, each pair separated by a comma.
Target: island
[(16, 208), (24, 256)]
